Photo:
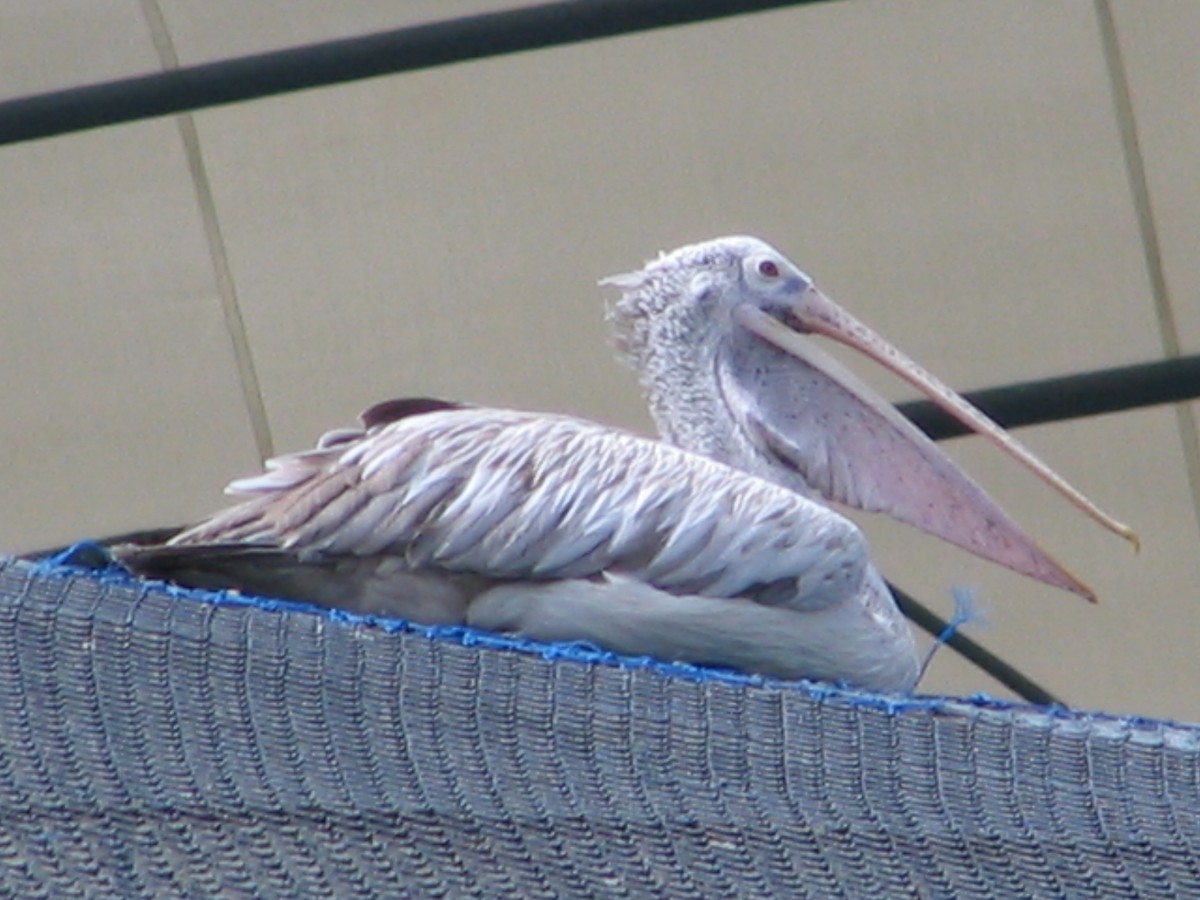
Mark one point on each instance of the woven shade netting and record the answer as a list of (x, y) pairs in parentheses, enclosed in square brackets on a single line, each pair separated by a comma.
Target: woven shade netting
[(157, 742)]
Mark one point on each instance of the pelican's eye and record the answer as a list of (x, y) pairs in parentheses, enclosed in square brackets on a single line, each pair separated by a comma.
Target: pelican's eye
[(768, 268)]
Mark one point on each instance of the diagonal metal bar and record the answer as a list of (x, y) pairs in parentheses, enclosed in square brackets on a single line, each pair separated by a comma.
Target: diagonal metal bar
[(351, 59)]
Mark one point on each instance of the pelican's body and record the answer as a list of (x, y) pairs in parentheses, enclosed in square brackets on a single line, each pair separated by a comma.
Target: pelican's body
[(712, 547), (560, 529)]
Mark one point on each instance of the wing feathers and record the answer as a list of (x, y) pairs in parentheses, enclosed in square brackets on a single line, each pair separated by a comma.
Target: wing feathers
[(516, 495)]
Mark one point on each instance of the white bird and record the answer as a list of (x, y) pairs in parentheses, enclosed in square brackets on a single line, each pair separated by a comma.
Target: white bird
[(714, 546)]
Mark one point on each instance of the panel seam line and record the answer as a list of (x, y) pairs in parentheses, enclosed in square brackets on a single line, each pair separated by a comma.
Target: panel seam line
[(1139, 187), (235, 325)]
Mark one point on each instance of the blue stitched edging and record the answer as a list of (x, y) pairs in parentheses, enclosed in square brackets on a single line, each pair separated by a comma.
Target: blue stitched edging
[(1139, 729)]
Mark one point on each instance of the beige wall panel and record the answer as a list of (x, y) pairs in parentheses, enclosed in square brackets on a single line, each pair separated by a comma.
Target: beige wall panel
[(52, 44), (121, 406), (438, 233), (1159, 42), (950, 171)]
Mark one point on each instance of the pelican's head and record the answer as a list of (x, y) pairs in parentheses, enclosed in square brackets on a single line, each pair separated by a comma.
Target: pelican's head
[(728, 325), (689, 296)]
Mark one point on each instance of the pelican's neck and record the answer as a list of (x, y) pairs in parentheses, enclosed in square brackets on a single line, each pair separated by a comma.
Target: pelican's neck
[(685, 402), (699, 402), (682, 381), (664, 330)]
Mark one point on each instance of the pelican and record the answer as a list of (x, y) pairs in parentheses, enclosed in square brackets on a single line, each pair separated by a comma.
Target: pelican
[(715, 545)]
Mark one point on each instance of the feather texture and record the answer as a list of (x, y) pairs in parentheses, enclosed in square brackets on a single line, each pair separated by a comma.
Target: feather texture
[(516, 495)]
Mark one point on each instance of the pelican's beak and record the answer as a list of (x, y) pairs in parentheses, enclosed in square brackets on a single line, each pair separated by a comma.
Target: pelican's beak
[(893, 457)]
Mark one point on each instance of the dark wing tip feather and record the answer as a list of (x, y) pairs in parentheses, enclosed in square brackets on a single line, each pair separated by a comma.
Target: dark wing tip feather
[(254, 568), (401, 408)]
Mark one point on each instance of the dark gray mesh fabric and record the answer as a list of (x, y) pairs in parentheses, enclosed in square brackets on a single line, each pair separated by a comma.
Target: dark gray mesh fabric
[(154, 743)]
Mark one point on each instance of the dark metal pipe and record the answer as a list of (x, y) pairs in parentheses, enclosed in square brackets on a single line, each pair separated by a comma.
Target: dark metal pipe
[(350, 59)]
